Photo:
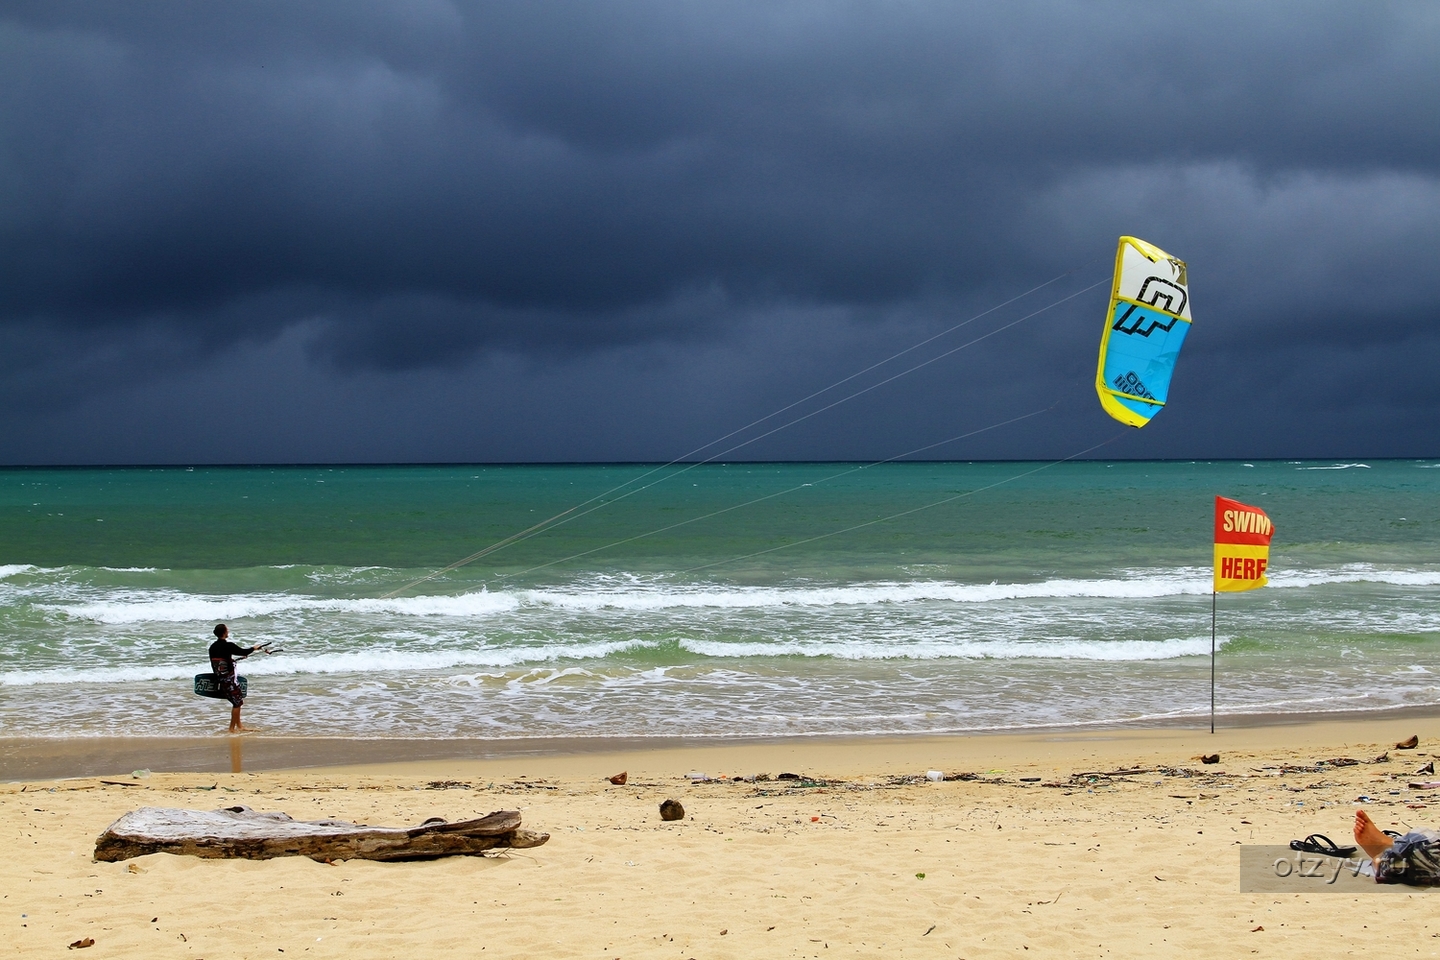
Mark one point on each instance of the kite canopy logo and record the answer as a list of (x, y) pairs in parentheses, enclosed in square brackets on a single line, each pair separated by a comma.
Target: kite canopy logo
[(1148, 319), (1242, 546)]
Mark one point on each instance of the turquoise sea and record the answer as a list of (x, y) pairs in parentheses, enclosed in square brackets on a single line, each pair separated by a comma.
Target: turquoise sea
[(719, 600)]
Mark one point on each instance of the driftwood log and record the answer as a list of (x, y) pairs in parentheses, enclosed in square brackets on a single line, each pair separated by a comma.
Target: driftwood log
[(242, 832)]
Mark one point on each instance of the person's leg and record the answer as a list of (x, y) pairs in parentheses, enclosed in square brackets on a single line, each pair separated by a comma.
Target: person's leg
[(1370, 837), (235, 725)]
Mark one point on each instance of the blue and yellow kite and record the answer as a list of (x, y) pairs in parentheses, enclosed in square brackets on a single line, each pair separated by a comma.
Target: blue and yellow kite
[(1148, 319)]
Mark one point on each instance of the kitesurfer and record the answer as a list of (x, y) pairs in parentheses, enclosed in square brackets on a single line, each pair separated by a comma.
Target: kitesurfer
[(223, 655)]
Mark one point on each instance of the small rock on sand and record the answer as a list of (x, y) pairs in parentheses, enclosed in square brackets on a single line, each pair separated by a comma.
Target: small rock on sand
[(620, 778), (671, 810), (1410, 744)]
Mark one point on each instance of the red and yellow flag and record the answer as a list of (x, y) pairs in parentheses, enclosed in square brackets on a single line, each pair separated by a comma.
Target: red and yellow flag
[(1242, 546)]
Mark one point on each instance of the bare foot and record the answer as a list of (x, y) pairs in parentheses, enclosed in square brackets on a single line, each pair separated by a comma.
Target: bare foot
[(1370, 837)]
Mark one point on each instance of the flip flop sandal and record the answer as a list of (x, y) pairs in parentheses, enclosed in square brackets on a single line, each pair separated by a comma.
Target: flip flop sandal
[(1393, 834), (1319, 843)]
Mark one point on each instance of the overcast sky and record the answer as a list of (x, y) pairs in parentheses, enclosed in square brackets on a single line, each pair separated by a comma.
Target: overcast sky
[(578, 230)]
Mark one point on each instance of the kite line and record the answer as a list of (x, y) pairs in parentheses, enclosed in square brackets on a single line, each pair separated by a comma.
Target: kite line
[(906, 513), (599, 501), (778, 493)]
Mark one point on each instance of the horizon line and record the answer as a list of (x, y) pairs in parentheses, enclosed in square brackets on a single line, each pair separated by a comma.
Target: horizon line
[(341, 464)]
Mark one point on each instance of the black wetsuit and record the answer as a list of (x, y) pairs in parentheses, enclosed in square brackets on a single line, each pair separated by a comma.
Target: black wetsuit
[(222, 661)]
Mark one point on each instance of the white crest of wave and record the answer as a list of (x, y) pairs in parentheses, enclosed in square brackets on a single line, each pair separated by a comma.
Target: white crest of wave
[(377, 662), (1186, 581), (10, 569), (1339, 466), (659, 597), (1103, 650), (1356, 573), (131, 606), (171, 607)]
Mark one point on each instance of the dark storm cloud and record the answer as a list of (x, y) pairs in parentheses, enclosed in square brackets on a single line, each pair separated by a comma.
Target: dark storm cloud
[(393, 188)]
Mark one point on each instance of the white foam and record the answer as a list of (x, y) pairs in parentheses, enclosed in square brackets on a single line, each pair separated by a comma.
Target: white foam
[(132, 606), (1094, 650), (10, 569), (373, 662), (1355, 573), (1339, 466), (174, 607), (654, 598), (70, 675)]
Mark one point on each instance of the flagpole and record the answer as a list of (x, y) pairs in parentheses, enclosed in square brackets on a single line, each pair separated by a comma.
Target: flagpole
[(1213, 594)]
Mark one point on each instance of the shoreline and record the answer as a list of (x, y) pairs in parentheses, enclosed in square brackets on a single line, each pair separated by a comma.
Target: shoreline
[(43, 758)]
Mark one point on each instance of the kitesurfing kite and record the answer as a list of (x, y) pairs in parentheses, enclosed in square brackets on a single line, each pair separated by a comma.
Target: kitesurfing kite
[(1148, 319)]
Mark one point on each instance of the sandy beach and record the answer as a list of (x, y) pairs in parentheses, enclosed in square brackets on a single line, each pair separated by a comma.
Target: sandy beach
[(1101, 843)]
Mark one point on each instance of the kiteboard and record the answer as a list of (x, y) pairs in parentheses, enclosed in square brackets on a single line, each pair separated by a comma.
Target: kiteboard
[(208, 685)]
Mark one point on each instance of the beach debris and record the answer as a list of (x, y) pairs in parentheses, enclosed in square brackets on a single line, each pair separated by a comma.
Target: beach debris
[(620, 778), (672, 810), (962, 776), (1210, 758), (934, 776), (897, 780), (1428, 768), (447, 785), (1338, 762), (1124, 772), (787, 776), (1425, 785), (82, 944), (1410, 744), (1257, 930), (1383, 758), (240, 832), (698, 777), (1285, 768), (140, 774), (1095, 776)]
